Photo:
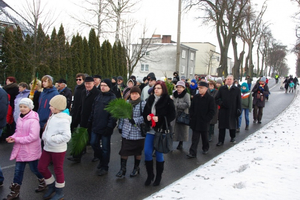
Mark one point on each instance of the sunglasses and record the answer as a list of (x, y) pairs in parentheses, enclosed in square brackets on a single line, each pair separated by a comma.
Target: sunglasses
[(78, 79)]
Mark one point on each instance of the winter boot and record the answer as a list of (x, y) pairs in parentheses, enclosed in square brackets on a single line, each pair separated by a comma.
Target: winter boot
[(180, 145), (58, 194), (136, 169), (149, 168), (159, 171), (50, 191), (42, 185), (122, 172), (14, 191)]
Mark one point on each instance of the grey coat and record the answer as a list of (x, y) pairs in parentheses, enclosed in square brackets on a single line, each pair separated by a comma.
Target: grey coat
[(182, 102)]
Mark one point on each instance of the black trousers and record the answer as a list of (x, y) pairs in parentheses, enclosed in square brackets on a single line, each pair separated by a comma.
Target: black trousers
[(222, 133), (257, 113), (195, 141)]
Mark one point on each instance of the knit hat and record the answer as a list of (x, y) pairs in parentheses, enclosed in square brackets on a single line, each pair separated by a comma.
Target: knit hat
[(107, 81), (59, 102), (263, 79), (219, 81), (89, 79), (180, 83), (120, 78), (27, 102), (135, 89), (202, 83), (50, 77), (244, 85), (97, 76), (182, 77)]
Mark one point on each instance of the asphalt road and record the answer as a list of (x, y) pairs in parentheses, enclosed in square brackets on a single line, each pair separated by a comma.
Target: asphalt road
[(82, 181)]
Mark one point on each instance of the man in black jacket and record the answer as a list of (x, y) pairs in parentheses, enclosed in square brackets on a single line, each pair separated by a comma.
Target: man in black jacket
[(87, 95), (102, 124), (202, 111), (229, 100), (64, 90)]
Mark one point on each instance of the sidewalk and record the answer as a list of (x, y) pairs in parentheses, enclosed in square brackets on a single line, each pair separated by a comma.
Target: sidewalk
[(266, 165)]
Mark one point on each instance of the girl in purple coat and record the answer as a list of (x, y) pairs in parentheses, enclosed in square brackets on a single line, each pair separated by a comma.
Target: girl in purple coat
[(27, 147)]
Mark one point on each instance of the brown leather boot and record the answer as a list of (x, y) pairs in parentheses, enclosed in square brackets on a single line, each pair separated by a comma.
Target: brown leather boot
[(14, 191), (42, 186)]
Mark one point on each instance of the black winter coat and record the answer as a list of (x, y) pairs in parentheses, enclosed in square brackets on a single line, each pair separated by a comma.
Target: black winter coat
[(76, 105), (164, 107), (67, 92), (100, 119), (13, 91), (230, 106), (259, 100), (202, 111), (3, 107), (87, 105)]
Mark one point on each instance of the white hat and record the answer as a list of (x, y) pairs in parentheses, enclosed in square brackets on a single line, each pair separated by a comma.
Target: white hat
[(27, 102)]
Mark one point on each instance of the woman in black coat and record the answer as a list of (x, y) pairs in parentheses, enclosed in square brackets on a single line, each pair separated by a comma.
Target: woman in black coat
[(158, 107)]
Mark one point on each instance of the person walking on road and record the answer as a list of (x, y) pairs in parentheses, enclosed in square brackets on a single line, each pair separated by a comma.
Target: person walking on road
[(56, 135), (27, 147), (182, 103), (158, 107), (212, 91), (102, 125), (202, 111), (246, 106), (132, 140), (260, 91), (229, 100)]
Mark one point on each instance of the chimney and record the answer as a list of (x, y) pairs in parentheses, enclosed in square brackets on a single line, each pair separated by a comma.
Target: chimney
[(166, 39), (156, 36)]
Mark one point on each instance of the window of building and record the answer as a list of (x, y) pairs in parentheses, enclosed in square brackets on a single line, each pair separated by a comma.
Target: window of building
[(144, 67), (192, 56), (182, 69), (183, 54), (191, 70)]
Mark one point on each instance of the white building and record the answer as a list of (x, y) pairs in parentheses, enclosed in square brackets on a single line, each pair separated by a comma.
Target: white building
[(160, 58)]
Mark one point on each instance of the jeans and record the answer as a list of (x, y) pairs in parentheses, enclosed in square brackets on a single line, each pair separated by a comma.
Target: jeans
[(1, 176), (101, 152), (246, 117), (19, 170), (148, 149)]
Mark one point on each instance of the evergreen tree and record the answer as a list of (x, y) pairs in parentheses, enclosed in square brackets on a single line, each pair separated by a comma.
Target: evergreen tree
[(79, 44), (122, 60), (86, 57), (42, 52), (99, 58), (93, 46), (73, 56), (105, 58), (7, 54), (54, 56), (62, 52), (28, 56), (70, 74), (115, 60)]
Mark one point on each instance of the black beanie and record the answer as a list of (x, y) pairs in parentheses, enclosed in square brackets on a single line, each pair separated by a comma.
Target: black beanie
[(107, 81)]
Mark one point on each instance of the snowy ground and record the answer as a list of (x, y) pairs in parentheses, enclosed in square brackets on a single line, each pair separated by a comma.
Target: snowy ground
[(266, 165)]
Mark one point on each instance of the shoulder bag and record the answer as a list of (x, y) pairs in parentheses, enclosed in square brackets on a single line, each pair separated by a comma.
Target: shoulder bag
[(183, 118), (163, 139)]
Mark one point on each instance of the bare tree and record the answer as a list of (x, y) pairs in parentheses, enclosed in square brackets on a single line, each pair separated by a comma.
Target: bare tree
[(250, 31), (227, 16), (120, 7), (96, 15)]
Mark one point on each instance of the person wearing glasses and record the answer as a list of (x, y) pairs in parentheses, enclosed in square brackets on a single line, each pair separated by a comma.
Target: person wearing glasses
[(158, 107), (77, 99), (102, 125)]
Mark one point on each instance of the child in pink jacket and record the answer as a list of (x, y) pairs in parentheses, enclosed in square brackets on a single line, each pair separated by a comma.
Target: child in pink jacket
[(27, 147)]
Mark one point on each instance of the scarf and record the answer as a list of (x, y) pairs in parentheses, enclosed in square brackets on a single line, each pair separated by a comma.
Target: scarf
[(135, 102), (181, 95), (193, 86)]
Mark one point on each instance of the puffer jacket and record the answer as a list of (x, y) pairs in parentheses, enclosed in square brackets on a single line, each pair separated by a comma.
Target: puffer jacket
[(57, 132), (27, 145)]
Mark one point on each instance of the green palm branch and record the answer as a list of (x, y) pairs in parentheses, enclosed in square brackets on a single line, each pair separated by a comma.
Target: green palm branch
[(119, 108), (79, 140)]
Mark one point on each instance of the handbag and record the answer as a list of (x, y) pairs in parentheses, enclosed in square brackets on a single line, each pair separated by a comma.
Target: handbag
[(183, 118), (143, 127), (163, 139)]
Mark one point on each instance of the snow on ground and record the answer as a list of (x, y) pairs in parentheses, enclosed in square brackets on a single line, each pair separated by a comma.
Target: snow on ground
[(266, 165)]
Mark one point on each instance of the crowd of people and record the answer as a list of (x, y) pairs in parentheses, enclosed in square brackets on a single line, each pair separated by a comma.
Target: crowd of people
[(39, 118)]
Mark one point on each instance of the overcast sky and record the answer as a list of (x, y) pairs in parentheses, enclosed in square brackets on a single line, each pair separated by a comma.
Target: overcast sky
[(160, 17)]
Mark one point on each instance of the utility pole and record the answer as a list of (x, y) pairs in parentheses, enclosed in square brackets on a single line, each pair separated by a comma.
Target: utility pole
[(178, 37)]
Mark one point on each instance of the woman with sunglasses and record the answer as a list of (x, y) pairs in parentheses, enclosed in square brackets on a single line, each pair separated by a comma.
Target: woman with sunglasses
[(158, 107)]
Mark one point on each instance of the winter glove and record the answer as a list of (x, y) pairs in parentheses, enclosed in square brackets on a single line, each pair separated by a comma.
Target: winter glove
[(132, 121), (108, 131), (120, 131)]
